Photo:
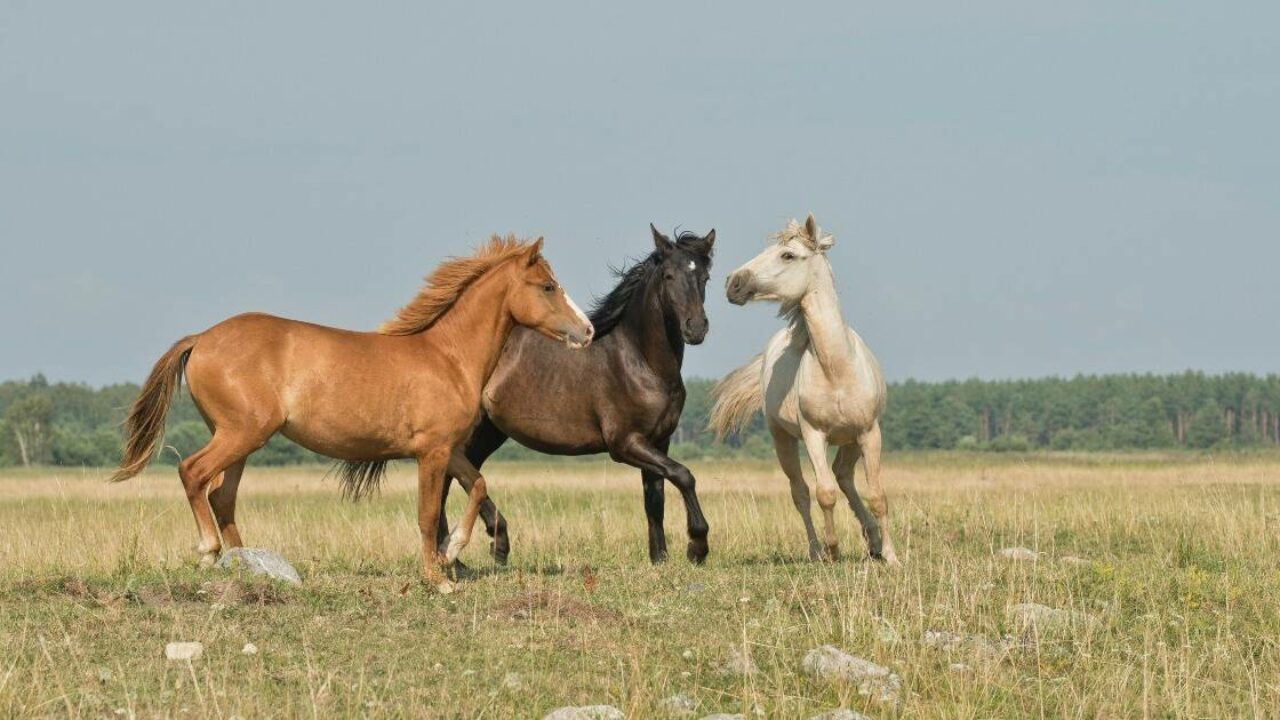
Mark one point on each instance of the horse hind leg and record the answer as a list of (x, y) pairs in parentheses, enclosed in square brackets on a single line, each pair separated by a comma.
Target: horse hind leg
[(222, 499), (198, 472)]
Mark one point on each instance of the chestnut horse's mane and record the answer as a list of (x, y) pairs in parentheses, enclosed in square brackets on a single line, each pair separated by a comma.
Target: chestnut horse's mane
[(446, 283)]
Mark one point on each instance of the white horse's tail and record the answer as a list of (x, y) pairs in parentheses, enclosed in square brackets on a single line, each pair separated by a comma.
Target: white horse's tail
[(737, 398)]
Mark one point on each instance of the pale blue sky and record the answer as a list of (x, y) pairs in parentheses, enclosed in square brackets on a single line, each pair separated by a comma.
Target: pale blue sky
[(1016, 189)]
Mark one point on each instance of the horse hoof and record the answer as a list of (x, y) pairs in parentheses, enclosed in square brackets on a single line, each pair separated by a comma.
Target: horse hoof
[(697, 554), (446, 587), (456, 543), (208, 559), (499, 554)]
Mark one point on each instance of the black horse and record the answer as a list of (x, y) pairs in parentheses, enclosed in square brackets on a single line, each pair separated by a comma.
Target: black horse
[(623, 394)]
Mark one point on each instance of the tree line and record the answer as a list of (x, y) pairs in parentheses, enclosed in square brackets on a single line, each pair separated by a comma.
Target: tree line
[(74, 425)]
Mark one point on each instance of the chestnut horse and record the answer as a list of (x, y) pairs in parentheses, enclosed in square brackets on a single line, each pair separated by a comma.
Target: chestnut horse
[(411, 390)]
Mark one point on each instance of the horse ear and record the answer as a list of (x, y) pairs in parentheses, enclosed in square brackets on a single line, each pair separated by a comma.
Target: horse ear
[(660, 241), (535, 252), (709, 242), (820, 242)]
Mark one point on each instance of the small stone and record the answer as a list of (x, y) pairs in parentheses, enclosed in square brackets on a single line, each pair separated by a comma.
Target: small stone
[(687, 654), (959, 668), (1020, 554), (105, 675), (725, 716), (831, 663), (1033, 617), (249, 649), (886, 634), (512, 681), (679, 705), (257, 561), (840, 714), (983, 648), (183, 650), (695, 588), (438, 667), (738, 662), (1072, 560), (586, 712)]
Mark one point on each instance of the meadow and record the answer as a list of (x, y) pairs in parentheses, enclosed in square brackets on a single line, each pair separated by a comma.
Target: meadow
[(1165, 567)]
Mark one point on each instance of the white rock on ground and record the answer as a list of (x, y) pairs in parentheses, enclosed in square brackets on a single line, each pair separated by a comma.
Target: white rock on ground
[(1019, 554), (738, 662), (257, 561), (586, 712), (679, 705), (184, 650), (831, 663), (249, 649), (512, 681), (840, 714)]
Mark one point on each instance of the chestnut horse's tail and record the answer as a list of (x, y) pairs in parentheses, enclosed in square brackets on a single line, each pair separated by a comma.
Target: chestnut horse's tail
[(145, 425), (738, 397)]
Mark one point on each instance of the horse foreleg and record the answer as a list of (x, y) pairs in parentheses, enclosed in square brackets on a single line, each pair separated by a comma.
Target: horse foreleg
[(638, 452), (431, 469), (654, 510), (843, 466), (787, 449), (477, 493), (815, 444), (871, 444)]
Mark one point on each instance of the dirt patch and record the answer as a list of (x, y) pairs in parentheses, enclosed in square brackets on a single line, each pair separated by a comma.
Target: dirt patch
[(551, 605)]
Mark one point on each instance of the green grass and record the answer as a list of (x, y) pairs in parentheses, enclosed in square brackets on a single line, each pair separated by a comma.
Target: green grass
[(1181, 579)]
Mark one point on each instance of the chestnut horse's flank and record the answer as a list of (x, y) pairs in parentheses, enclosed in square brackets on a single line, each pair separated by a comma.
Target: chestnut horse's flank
[(410, 391)]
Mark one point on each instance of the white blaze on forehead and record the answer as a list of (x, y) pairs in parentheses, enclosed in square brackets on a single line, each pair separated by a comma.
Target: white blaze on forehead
[(692, 266), (577, 310)]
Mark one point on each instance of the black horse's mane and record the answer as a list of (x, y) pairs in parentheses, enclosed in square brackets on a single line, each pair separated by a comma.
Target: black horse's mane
[(608, 311)]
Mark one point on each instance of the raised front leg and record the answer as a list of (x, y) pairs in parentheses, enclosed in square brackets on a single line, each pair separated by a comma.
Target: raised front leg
[(654, 509), (477, 493), (815, 443), (636, 451), (431, 469)]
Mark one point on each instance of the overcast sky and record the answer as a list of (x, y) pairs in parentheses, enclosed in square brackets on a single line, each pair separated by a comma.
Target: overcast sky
[(1016, 189)]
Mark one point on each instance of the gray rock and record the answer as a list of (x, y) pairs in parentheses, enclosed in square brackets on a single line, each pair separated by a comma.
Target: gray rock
[(725, 716), (257, 561), (738, 662), (512, 681), (982, 648), (1019, 554), (840, 714), (184, 650), (886, 634), (586, 712), (1033, 618), (874, 681), (249, 649), (679, 705)]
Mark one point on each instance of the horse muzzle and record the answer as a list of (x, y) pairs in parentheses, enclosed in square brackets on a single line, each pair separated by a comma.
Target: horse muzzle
[(578, 338), (694, 330), (738, 287)]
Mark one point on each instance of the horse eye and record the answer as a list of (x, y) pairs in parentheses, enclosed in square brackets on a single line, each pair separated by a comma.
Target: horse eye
[(549, 287), (788, 256)]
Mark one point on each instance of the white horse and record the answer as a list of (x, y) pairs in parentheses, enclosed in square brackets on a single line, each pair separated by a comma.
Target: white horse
[(816, 381)]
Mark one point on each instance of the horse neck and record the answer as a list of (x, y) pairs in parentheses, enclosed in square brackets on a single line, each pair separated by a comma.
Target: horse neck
[(828, 334), (658, 340), (475, 329)]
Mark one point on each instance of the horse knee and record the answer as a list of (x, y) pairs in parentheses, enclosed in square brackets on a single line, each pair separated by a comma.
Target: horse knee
[(878, 505), (827, 496)]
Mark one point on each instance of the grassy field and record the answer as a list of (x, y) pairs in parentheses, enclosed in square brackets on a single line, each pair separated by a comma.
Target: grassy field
[(1173, 606)]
